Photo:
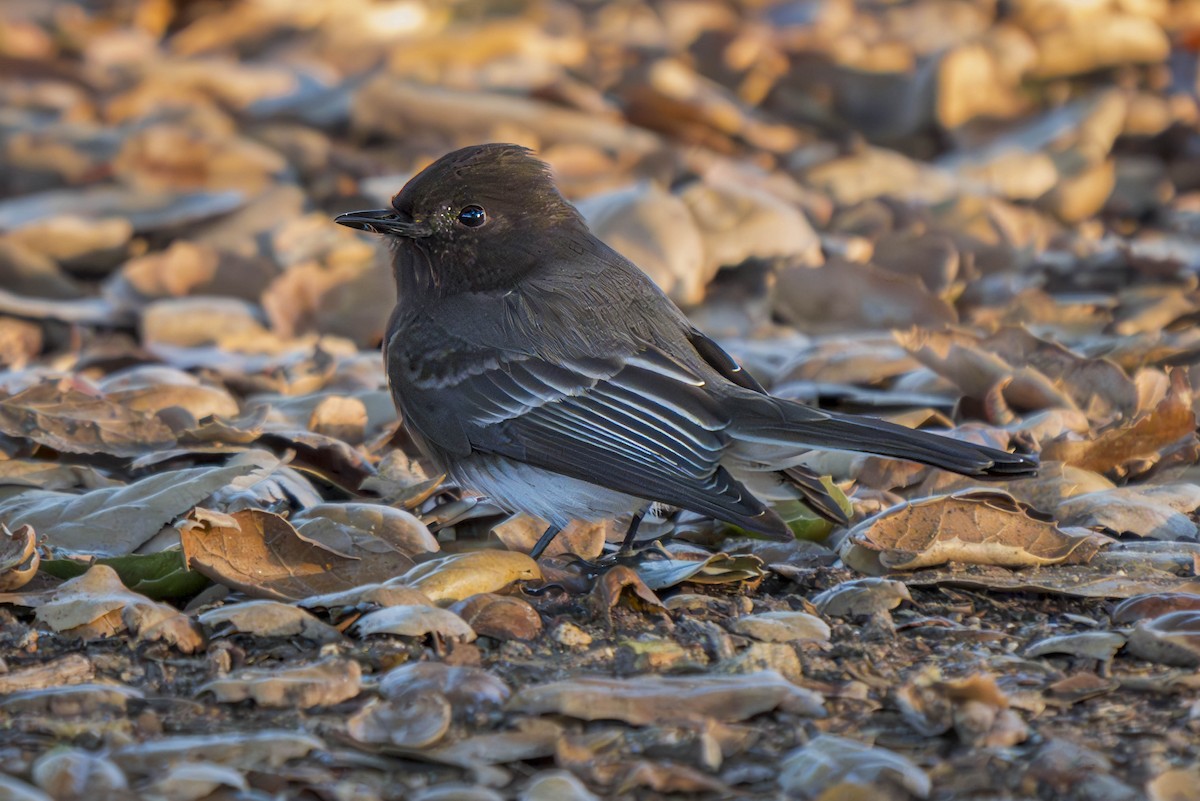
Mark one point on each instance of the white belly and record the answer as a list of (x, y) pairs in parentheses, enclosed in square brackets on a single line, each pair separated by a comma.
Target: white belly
[(552, 497)]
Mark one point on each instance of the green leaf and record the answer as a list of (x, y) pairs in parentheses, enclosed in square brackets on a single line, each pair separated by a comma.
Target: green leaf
[(159, 576)]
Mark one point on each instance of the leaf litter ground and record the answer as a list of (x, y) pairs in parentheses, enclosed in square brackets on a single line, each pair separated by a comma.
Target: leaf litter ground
[(225, 573)]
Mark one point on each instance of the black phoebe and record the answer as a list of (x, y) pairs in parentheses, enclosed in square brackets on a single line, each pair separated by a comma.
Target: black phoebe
[(537, 365)]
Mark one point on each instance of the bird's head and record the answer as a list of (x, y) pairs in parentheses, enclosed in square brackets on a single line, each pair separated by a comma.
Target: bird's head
[(473, 220)]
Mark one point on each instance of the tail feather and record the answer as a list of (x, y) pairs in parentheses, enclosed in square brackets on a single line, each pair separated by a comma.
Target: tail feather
[(766, 419)]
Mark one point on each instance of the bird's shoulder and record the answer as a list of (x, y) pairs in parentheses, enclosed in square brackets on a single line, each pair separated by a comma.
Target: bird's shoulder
[(588, 303)]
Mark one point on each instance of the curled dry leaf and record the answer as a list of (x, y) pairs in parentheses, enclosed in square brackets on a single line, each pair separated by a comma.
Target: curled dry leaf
[(463, 791), (324, 683), (979, 527), (1122, 448), (834, 767), (1102, 645), (1162, 512), (452, 578), (501, 617), (354, 530), (1170, 639), (98, 604), (783, 627), (866, 596), (19, 558), (267, 619), (417, 720), (976, 369), (265, 557), (621, 586), (414, 621), (470, 691), (1141, 607), (73, 419), (649, 700)]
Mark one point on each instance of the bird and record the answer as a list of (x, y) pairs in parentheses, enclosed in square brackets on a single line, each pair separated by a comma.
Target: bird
[(537, 366)]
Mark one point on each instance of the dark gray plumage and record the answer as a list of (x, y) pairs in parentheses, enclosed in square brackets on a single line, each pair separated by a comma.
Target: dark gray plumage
[(539, 366)]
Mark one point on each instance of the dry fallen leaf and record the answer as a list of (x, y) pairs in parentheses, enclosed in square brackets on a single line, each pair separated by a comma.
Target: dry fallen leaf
[(114, 521), (865, 596), (19, 558), (414, 721), (266, 619), (501, 617), (470, 691), (266, 558), (1123, 448), (97, 604), (1141, 607), (79, 419), (324, 683), (783, 627), (1170, 639), (978, 527), (621, 586), (414, 621), (452, 578)]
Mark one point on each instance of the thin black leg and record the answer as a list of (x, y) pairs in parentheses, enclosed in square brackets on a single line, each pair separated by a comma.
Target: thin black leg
[(544, 542), (631, 533)]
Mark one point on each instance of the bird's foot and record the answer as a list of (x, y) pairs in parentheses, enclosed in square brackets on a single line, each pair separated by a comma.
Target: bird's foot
[(626, 555)]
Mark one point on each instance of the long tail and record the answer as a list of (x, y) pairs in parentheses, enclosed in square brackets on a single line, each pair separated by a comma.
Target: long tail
[(762, 418)]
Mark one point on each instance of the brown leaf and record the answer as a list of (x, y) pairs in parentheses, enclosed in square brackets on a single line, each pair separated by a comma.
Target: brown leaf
[(264, 557), (1121, 449), (501, 617), (98, 604), (1142, 607), (621, 586), (978, 527), (19, 558), (73, 419)]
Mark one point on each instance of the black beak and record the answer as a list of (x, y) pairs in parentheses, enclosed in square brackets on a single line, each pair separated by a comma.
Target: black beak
[(383, 221)]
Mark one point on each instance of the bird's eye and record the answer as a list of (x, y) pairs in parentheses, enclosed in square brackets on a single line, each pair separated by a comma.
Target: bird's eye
[(472, 216)]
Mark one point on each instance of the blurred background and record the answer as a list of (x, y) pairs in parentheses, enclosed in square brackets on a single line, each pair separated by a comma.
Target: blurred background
[(168, 168)]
